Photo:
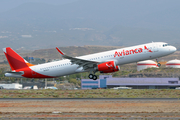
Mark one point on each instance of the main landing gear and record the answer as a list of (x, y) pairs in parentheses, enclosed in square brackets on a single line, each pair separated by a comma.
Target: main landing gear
[(91, 76), (158, 64)]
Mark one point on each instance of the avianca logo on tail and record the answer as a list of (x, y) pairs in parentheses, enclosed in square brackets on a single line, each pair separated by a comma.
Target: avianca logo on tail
[(132, 51)]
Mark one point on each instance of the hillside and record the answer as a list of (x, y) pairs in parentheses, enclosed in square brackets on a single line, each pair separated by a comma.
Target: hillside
[(50, 54), (127, 69), (71, 50), (84, 50)]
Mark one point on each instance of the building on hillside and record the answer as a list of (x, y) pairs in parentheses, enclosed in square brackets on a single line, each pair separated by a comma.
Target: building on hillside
[(146, 64), (173, 63), (107, 81)]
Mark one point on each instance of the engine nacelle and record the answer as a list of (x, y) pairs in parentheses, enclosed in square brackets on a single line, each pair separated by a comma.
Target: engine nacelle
[(108, 67), (110, 71)]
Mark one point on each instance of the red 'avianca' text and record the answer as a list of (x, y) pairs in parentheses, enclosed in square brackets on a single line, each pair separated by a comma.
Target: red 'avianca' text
[(128, 52), (132, 51)]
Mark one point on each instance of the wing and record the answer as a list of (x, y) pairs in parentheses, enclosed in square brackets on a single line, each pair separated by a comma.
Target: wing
[(86, 64)]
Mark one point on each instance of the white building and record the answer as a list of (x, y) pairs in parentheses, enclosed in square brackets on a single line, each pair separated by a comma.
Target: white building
[(107, 81), (12, 86), (173, 63), (146, 64)]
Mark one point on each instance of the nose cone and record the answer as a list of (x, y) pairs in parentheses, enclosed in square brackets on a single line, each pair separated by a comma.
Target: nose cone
[(173, 49)]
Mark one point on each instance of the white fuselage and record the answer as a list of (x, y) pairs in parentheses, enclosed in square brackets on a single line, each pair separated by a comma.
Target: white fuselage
[(120, 56)]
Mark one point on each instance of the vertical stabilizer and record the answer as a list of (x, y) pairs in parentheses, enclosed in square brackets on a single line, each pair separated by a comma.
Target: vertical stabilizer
[(15, 60)]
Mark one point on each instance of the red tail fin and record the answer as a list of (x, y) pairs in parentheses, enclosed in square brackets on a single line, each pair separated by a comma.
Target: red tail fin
[(15, 61)]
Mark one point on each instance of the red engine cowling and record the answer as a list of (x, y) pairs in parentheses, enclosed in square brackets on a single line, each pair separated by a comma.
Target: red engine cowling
[(113, 70), (108, 67)]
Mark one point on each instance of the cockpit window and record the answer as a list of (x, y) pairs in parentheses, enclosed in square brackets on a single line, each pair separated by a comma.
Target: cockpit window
[(164, 45)]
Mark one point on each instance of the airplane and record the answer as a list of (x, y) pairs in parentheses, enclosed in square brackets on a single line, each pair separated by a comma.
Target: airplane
[(105, 62)]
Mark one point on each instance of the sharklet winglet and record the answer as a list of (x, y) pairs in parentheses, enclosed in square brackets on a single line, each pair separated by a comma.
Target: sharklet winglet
[(59, 51), (4, 49)]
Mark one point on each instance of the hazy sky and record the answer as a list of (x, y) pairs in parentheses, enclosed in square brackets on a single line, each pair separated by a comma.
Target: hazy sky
[(9, 4), (110, 22)]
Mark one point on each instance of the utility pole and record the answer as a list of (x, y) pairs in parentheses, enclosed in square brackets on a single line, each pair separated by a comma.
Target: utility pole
[(45, 83)]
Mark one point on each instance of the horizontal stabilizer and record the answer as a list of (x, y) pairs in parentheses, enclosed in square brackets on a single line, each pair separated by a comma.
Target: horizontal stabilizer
[(17, 73), (14, 74)]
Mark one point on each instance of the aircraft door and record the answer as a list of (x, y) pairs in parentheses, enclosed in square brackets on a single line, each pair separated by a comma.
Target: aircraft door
[(155, 47)]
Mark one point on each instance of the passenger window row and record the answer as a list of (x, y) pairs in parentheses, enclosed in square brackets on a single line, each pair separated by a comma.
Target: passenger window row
[(70, 63), (102, 57), (55, 66)]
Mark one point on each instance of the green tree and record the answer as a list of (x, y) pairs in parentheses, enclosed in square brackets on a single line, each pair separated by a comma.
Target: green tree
[(72, 80)]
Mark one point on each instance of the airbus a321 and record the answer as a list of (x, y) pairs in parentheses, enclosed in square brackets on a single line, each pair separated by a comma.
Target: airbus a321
[(105, 62)]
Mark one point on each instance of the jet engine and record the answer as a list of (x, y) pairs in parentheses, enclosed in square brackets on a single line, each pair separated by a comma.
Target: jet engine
[(108, 67)]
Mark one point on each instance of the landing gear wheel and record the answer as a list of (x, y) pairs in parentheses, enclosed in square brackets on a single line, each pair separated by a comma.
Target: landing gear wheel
[(158, 64), (94, 77), (91, 76)]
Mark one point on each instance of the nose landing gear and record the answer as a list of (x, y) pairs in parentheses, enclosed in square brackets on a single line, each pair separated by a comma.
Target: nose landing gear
[(158, 64)]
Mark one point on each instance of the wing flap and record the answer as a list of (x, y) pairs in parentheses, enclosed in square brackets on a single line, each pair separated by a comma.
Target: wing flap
[(86, 64)]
